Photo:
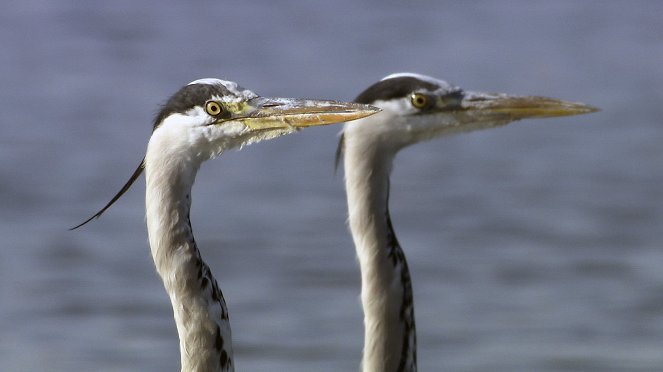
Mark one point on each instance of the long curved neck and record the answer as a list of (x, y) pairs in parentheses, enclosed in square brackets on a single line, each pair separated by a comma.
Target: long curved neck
[(386, 294), (199, 308)]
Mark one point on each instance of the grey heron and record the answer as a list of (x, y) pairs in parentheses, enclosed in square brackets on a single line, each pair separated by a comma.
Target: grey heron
[(415, 108), (198, 123)]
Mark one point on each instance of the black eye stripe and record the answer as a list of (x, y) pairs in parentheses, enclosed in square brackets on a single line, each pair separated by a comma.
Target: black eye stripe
[(399, 87), (189, 97)]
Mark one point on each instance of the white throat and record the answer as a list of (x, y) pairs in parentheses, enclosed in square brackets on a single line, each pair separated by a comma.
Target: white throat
[(199, 309), (386, 294)]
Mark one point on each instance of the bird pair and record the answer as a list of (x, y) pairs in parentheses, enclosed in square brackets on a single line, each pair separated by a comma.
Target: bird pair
[(209, 116)]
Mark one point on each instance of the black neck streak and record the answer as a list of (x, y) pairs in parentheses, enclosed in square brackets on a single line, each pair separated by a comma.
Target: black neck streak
[(211, 291), (408, 357)]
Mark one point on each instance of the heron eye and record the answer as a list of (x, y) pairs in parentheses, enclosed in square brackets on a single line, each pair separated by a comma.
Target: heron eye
[(213, 108), (419, 100)]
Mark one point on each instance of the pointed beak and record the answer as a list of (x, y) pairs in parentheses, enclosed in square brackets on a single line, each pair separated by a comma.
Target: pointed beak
[(290, 113), (506, 107)]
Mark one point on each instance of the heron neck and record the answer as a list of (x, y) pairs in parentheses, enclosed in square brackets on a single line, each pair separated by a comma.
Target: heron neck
[(199, 308), (386, 294)]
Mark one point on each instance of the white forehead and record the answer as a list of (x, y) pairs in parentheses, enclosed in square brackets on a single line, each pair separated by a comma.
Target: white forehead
[(231, 86), (429, 79)]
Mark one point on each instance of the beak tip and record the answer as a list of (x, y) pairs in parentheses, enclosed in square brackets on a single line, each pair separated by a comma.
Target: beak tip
[(373, 109), (578, 108), (362, 110)]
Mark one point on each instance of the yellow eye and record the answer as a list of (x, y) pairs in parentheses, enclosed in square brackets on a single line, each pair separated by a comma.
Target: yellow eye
[(419, 100), (213, 108)]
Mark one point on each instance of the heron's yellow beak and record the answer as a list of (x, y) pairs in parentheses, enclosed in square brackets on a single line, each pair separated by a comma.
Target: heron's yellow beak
[(521, 107), (288, 113)]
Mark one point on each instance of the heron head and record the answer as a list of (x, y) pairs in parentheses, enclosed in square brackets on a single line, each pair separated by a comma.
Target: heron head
[(208, 116), (417, 108)]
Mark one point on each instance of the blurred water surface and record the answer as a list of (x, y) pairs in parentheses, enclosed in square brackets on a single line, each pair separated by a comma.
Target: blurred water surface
[(536, 247)]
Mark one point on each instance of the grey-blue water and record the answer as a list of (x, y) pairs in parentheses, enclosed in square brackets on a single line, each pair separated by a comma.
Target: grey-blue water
[(535, 247)]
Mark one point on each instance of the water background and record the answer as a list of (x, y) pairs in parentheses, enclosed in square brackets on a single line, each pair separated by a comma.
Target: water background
[(535, 247)]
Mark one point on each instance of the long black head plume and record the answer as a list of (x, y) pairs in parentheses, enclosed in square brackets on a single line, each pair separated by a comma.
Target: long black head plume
[(186, 98), (124, 189)]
